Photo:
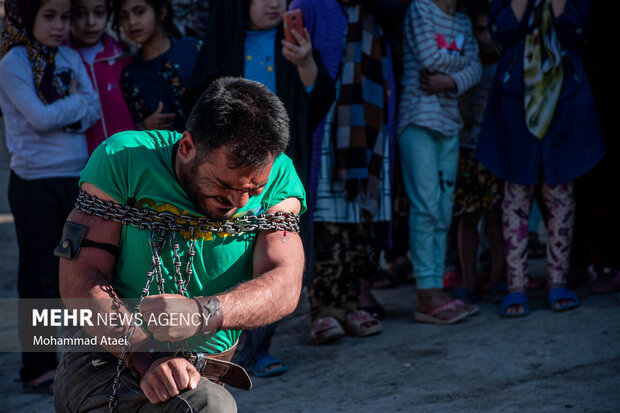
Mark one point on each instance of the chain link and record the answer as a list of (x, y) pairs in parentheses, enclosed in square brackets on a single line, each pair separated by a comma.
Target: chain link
[(160, 223), (145, 218), (156, 242)]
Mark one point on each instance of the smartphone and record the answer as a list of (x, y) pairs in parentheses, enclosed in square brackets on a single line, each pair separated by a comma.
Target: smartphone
[(293, 20)]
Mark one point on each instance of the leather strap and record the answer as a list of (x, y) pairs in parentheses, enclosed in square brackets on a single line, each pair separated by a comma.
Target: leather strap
[(218, 368)]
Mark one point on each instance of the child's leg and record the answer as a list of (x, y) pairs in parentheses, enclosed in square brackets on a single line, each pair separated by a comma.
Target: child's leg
[(468, 247), (447, 165), (496, 239), (515, 218), (418, 151), (561, 204), (331, 288)]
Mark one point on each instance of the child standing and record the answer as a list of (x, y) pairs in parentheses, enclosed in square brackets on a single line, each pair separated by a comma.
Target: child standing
[(105, 59), (350, 181), (440, 62), (154, 82), (478, 192), (48, 102), (541, 127)]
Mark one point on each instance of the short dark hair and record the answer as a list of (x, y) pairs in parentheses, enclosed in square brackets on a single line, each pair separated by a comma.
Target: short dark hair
[(243, 116)]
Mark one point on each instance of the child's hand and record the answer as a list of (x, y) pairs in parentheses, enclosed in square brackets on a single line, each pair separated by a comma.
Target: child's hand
[(432, 83), (158, 120), (74, 87), (298, 55)]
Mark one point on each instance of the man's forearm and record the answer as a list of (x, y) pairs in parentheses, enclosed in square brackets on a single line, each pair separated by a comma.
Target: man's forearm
[(278, 263), (262, 300), (97, 294)]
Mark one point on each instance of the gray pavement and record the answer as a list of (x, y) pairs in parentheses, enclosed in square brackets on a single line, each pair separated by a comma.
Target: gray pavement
[(547, 362)]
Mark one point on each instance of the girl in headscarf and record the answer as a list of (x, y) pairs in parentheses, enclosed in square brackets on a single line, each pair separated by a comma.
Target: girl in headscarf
[(48, 102)]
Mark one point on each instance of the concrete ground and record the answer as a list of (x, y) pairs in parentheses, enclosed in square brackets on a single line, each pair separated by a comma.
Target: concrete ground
[(547, 362)]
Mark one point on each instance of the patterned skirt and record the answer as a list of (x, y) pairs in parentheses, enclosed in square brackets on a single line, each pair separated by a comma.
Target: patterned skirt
[(476, 187)]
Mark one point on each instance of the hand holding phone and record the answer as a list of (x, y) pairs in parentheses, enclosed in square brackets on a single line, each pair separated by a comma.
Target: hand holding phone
[(293, 20)]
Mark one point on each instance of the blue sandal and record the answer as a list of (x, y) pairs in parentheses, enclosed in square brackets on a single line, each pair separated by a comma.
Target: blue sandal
[(261, 367), (511, 299), (562, 293)]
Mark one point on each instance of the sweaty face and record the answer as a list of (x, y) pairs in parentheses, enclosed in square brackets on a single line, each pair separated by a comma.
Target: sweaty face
[(52, 22), (266, 14), (138, 20), (217, 190), (88, 22)]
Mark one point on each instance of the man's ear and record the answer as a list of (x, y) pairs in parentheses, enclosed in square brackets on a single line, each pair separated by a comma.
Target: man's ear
[(187, 147), (163, 13)]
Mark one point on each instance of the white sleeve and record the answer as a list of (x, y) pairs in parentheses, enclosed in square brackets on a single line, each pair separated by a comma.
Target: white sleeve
[(471, 74), (16, 80)]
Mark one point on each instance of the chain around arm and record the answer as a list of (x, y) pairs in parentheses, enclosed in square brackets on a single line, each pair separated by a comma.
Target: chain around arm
[(160, 223), (148, 218)]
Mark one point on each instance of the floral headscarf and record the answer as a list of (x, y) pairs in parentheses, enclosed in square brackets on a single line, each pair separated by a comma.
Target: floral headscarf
[(542, 69), (16, 33)]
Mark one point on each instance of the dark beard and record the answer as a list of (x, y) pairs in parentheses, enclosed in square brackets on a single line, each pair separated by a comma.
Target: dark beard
[(187, 179)]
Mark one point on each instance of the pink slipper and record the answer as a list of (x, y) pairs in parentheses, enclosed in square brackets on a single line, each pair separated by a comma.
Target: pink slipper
[(361, 324), (326, 330), (431, 315)]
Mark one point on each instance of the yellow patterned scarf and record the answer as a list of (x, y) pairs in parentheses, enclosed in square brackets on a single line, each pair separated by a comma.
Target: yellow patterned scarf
[(542, 69), (48, 86)]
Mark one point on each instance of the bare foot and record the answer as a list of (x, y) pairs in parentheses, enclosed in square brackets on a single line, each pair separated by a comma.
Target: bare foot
[(559, 303), (367, 299), (516, 309)]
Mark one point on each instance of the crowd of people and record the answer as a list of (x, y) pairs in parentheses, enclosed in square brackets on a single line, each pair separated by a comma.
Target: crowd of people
[(418, 128)]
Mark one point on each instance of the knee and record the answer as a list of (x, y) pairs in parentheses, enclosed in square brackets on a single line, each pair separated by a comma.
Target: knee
[(220, 401)]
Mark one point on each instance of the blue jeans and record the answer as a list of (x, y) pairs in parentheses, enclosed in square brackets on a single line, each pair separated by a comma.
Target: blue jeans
[(429, 164)]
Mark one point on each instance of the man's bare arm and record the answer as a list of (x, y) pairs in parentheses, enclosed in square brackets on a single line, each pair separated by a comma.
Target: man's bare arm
[(278, 262), (89, 276), (278, 269)]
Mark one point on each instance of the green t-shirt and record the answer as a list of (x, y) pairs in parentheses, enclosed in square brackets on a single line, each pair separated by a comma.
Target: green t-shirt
[(136, 168)]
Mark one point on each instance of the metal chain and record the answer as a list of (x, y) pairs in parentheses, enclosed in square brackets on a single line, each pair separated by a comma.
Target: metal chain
[(156, 242), (189, 270), (176, 262), (160, 223), (148, 218)]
